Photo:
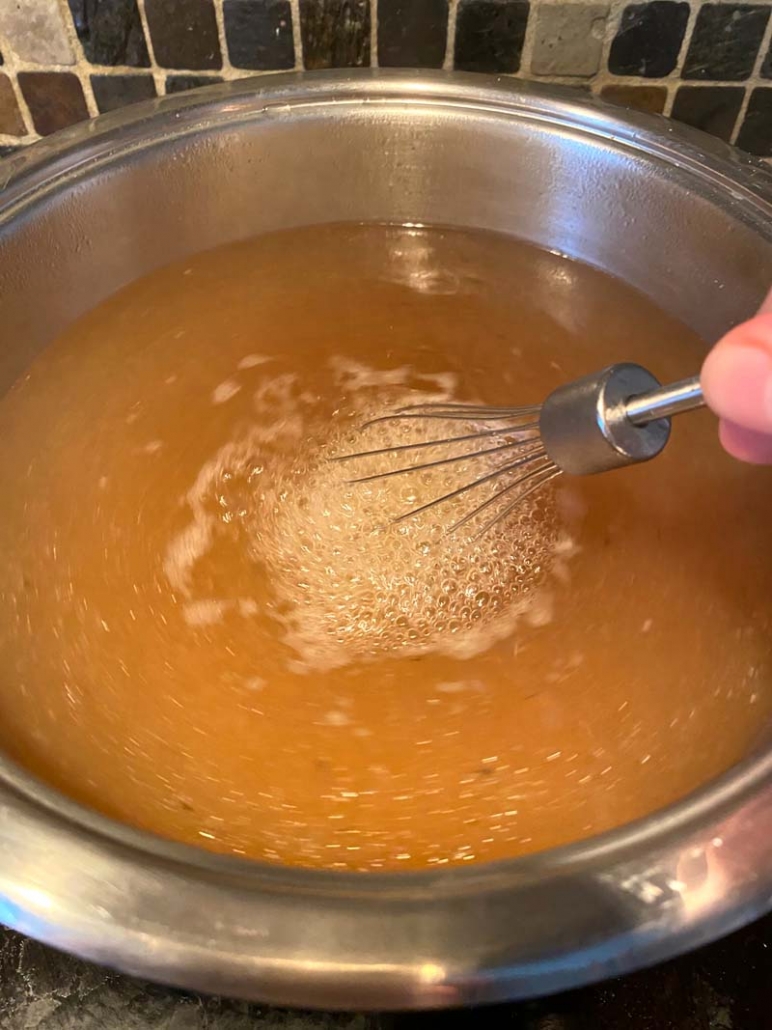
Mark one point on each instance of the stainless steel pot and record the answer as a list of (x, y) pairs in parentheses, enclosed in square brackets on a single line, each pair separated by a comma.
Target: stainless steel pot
[(680, 217)]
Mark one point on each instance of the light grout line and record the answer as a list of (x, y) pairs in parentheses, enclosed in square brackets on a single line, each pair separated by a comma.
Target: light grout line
[(118, 69), (685, 43), (524, 68), (297, 35), (603, 77), (450, 37), (219, 15), (612, 25), (83, 69), (753, 80), (13, 66), (12, 69), (373, 33), (159, 77)]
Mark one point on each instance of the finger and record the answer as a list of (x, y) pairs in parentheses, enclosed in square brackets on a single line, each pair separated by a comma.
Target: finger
[(745, 444), (737, 375)]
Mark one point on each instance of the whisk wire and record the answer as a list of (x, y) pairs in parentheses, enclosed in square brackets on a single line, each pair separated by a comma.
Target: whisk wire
[(607, 420), (463, 412), (510, 467), (510, 445), (546, 466), (552, 472), (531, 469), (525, 428)]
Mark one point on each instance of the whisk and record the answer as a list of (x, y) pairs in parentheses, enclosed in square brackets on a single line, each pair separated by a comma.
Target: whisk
[(613, 418)]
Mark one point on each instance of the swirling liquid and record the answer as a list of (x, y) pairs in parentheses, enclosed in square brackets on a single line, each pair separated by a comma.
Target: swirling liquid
[(208, 631)]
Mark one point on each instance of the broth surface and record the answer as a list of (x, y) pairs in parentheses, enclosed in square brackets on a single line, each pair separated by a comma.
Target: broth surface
[(208, 632)]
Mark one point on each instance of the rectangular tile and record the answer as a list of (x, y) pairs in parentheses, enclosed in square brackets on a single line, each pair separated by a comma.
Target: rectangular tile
[(649, 39), (335, 33), (259, 35), (11, 121), (490, 35), (725, 41), (55, 99), (110, 32), (114, 91), (182, 83), (565, 40), (713, 109), (756, 133), (412, 33), (568, 39), (184, 33), (35, 31), (649, 99)]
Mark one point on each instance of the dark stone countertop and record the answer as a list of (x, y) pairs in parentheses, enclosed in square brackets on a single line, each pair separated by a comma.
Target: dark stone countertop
[(726, 986)]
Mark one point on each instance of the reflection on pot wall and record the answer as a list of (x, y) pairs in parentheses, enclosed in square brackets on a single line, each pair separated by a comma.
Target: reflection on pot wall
[(707, 64)]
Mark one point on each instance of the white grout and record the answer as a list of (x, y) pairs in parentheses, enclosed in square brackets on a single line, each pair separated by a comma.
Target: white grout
[(450, 39), (227, 67), (297, 35), (83, 69), (603, 77), (755, 80), (373, 33), (676, 73), (529, 43), (612, 26), (12, 67), (159, 76)]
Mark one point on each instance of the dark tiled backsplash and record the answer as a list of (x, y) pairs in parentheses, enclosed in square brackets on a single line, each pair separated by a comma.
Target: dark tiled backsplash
[(707, 64)]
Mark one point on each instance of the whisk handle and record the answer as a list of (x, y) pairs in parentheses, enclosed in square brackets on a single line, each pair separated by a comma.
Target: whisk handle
[(665, 401), (612, 418)]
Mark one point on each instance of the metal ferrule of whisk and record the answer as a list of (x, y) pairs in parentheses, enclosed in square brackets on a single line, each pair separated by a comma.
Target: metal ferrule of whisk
[(619, 416)]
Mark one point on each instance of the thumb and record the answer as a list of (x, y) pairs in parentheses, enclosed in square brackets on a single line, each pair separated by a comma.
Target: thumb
[(737, 382)]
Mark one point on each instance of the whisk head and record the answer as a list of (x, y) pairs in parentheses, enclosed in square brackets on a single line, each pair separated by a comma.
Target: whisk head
[(506, 442)]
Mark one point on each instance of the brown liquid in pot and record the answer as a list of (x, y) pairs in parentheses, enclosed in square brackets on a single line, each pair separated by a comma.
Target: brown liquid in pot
[(206, 632)]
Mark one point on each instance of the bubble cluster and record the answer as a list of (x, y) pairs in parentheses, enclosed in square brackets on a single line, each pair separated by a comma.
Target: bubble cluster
[(360, 564), (360, 576)]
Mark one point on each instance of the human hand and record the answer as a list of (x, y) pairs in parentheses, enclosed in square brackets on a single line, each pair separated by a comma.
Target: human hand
[(737, 382)]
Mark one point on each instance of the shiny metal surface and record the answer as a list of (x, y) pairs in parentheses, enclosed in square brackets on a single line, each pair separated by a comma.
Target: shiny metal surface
[(603, 421), (585, 426), (680, 217), (666, 401)]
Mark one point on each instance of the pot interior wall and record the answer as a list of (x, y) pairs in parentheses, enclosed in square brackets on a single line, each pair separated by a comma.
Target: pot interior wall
[(647, 221), (107, 215)]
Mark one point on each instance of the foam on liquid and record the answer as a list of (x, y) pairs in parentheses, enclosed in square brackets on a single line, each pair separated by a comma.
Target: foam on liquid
[(207, 631), (351, 581)]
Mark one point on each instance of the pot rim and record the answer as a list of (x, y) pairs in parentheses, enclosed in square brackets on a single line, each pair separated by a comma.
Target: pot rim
[(26, 174), (717, 811)]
